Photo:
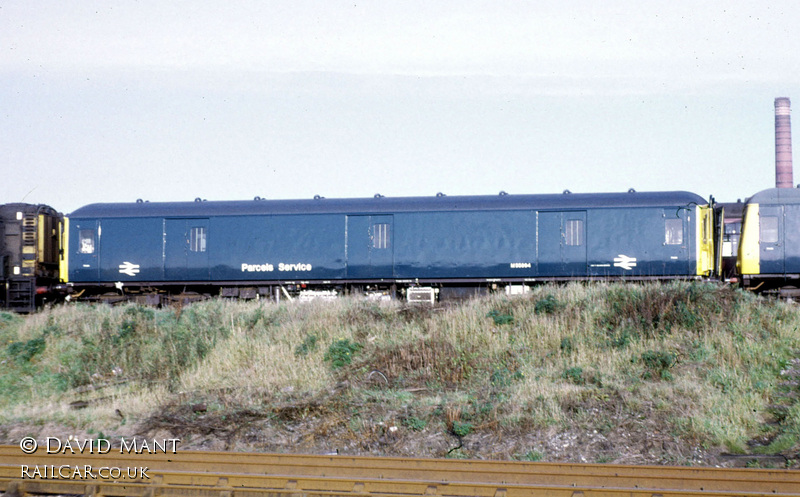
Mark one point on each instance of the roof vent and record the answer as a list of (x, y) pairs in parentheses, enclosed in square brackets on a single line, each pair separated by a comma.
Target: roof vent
[(566, 192)]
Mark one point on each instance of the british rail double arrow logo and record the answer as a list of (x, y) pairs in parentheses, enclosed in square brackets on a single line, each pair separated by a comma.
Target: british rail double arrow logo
[(625, 262), (129, 268)]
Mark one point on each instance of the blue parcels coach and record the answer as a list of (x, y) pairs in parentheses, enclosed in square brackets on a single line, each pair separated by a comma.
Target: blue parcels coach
[(418, 246)]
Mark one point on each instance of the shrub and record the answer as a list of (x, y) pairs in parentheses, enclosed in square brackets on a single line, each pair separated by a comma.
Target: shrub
[(532, 455), (415, 424), (659, 363), (504, 377), (309, 345), (547, 305), (567, 347), (126, 330), (620, 339), (574, 375), (24, 351), (462, 428), (500, 318), (340, 353)]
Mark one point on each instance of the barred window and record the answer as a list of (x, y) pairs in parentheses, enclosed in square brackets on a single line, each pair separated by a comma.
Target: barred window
[(769, 229), (380, 236), (197, 239), (574, 232), (86, 242), (673, 232)]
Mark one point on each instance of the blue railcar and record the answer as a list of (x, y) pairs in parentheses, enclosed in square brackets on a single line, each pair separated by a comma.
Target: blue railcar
[(769, 249), (470, 241)]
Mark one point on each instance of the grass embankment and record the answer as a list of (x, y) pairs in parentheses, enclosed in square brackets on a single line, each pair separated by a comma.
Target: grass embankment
[(676, 374)]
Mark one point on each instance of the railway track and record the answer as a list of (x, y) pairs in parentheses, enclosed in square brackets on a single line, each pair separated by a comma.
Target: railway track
[(227, 474)]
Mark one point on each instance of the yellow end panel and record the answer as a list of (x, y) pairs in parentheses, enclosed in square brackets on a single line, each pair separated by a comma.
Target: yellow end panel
[(748, 262), (705, 240), (63, 261)]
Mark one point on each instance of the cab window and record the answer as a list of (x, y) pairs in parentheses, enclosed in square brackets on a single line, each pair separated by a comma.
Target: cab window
[(86, 243), (769, 229), (673, 232)]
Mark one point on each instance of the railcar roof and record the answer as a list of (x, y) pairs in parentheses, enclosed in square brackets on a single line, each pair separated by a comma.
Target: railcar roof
[(776, 196), (389, 204), (21, 207)]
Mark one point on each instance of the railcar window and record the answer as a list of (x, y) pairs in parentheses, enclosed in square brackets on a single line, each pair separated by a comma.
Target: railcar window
[(769, 229), (380, 236), (673, 232), (86, 241), (197, 239), (574, 232)]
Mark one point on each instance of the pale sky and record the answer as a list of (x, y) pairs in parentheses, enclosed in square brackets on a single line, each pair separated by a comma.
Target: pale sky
[(115, 101)]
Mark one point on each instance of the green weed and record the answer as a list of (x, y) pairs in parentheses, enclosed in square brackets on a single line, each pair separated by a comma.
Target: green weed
[(658, 363), (415, 424), (340, 353), (549, 304), (500, 318), (309, 345)]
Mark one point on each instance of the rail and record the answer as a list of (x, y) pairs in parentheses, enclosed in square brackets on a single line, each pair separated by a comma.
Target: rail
[(229, 474)]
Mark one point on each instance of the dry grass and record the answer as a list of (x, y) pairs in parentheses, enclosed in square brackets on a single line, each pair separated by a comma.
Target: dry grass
[(692, 364)]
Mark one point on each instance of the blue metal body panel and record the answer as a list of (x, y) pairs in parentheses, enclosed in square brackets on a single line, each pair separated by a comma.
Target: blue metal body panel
[(135, 241), (475, 244), (281, 248), (383, 239), (781, 255), (771, 252), (616, 234), (792, 237)]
